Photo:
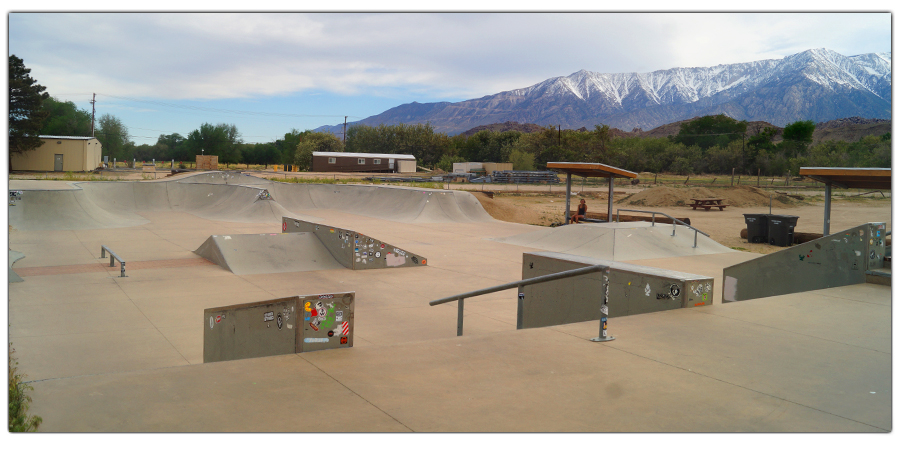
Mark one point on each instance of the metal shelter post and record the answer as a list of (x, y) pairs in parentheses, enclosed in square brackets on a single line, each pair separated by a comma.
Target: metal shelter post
[(568, 194), (609, 207), (827, 226)]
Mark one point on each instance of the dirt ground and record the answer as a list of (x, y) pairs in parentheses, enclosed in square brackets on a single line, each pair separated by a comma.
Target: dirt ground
[(723, 226)]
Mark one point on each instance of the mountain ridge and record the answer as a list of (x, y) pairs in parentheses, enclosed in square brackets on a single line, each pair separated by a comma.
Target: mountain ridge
[(817, 85)]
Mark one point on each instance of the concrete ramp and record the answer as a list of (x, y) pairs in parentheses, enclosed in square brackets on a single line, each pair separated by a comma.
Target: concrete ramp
[(268, 253), (618, 241)]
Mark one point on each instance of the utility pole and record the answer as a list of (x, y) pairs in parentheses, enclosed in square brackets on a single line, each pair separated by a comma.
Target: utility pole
[(93, 111), (345, 129)]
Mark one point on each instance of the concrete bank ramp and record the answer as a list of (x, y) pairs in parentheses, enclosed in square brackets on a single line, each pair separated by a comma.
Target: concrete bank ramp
[(399, 204), (618, 241), (232, 197), (268, 253), (14, 256)]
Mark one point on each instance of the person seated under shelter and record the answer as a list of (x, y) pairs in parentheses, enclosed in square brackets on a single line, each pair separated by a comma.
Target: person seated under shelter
[(579, 214)]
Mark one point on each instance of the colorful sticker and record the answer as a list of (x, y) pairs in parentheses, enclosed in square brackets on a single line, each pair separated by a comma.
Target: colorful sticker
[(345, 328), (343, 340), (315, 328), (269, 316), (316, 340)]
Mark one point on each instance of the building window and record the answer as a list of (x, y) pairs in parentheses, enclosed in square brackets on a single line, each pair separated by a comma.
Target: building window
[(360, 161), (376, 161), (332, 160)]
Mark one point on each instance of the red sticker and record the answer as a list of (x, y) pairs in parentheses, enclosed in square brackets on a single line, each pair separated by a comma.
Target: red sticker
[(314, 327), (284, 226), (343, 340), (218, 319)]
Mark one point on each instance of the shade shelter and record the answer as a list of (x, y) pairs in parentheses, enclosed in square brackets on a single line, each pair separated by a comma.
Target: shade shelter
[(864, 178), (589, 170)]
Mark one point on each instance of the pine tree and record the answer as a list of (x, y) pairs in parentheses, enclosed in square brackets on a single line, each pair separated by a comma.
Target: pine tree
[(26, 116)]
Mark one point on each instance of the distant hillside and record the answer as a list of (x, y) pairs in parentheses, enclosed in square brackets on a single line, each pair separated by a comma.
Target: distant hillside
[(817, 85)]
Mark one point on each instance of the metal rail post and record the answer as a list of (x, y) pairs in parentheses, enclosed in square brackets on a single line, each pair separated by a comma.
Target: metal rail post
[(604, 311), (459, 318), (520, 309), (112, 260)]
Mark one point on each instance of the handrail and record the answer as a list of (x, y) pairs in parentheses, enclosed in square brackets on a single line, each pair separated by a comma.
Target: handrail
[(112, 261), (674, 222), (519, 284)]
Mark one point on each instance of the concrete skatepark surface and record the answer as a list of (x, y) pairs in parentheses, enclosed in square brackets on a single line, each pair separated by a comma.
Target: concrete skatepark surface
[(110, 354)]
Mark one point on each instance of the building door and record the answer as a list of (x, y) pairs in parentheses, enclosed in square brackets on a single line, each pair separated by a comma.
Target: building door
[(391, 164), (57, 162)]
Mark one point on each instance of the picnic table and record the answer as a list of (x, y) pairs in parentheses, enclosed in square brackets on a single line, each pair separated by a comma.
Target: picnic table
[(707, 203)]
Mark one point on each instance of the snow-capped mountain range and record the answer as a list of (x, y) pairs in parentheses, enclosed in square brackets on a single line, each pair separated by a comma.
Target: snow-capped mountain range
[(817, 85)]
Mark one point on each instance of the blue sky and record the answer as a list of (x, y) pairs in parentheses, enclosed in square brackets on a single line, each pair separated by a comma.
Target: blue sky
[(268, 73)]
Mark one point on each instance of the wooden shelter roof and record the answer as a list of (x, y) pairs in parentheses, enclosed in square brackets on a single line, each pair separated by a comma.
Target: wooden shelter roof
[(591, 170), (865, 178)]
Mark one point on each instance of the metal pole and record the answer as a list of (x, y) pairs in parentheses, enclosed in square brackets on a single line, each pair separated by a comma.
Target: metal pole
[(609, 206), (568, 195), (122, 272), (459, 319), (695, 238), (604, 311), (827, 227)]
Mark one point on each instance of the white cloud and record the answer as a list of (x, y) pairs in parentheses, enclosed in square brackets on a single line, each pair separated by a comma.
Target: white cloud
[(452, 56)]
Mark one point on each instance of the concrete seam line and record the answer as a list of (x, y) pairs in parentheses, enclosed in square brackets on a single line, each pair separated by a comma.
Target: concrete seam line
[(357, 394)]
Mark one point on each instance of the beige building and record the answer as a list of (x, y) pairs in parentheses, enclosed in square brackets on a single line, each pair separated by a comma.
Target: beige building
[(61, 153)]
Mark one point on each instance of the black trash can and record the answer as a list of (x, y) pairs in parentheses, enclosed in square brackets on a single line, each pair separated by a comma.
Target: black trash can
[(781, 230), (757, 228)]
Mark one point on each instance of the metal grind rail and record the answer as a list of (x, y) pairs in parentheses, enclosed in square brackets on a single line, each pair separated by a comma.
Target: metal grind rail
[(112, 259), (674, 222), (604, 307)]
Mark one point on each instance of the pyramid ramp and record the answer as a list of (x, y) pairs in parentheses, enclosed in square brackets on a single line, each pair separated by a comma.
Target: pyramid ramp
[(355, 250), (268, 253), (619, 241)]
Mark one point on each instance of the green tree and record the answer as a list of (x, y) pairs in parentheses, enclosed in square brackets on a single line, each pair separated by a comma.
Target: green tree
[(113, 137), (287, 147), (222, 140), (26, 115), (65, 119), (315, 142), (521, 161), (446, 162), (797, 137), (710, 130), (172, 146)]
